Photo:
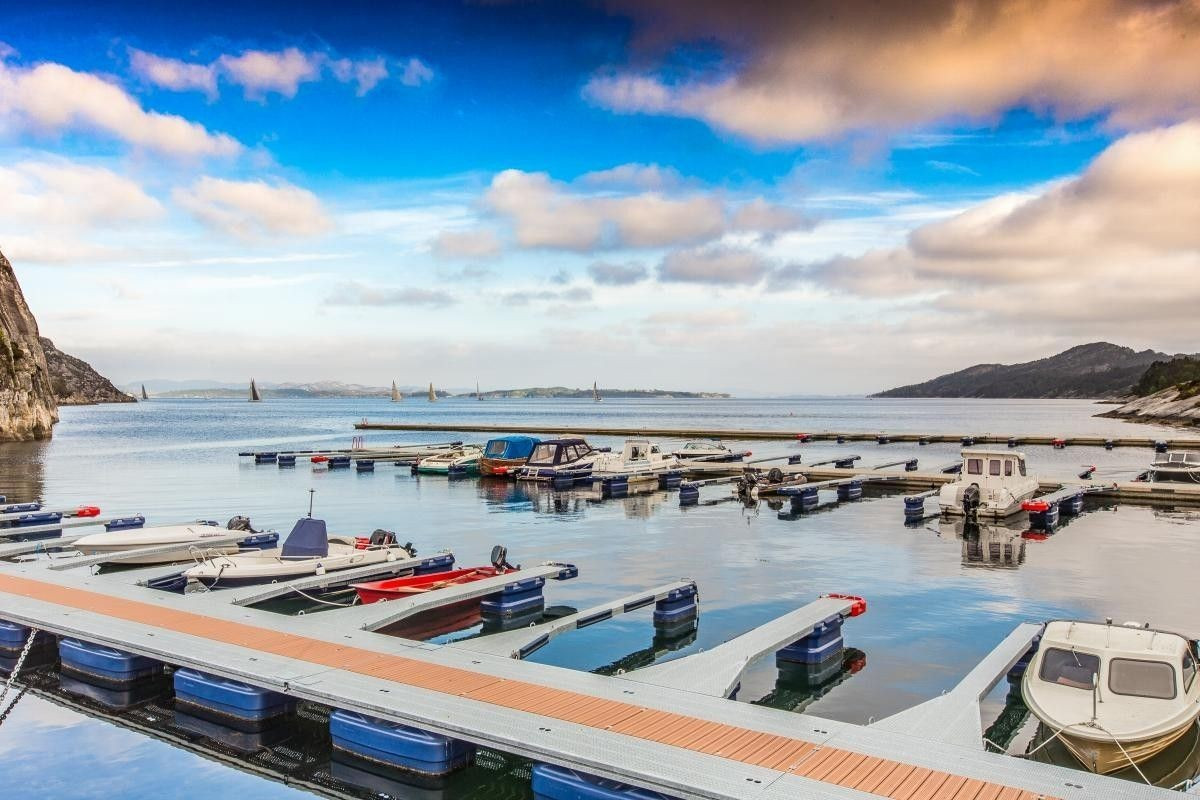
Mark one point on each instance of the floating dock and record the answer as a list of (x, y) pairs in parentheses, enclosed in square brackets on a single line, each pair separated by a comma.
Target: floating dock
[(783, 434), (646, 733)]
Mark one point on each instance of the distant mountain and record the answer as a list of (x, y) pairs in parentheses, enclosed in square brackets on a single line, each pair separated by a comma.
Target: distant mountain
[(336, 389), (562, 391), (1096, 370)]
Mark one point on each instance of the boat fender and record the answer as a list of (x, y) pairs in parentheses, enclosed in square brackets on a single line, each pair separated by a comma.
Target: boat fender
[(320, 570), (389, 556), (87, 511)]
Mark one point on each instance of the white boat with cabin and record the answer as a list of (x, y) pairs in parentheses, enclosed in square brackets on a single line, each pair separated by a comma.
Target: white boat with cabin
[(1115, 695), (1176, 466), (992, 484), (637, 457)]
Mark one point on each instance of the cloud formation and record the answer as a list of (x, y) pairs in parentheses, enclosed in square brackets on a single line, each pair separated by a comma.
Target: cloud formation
[(251, 210), (51, 98), (552, 214), (607, 274), (797, 72), (173, 74), (1118, 244), (716, 265), (357, 293), (480, 243)]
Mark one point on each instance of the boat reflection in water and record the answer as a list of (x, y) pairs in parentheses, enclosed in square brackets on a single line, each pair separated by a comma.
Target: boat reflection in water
[(797, 686), (991, 546)]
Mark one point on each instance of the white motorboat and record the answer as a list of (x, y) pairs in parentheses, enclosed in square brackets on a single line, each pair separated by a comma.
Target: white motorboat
[(637, 457), (308, 550), (552, 457), (992, 484), (708, 451), (1116, 695), (1177, 466), (456, 459), (190, 538)]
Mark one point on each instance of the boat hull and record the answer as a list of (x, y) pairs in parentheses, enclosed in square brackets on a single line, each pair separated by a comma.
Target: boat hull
[(499, 466), (1105, 756), (184, 553), (1169, 475)]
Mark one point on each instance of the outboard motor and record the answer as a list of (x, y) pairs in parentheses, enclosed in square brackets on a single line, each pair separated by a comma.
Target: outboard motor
[(240, 523), (500, 558), (775, 475), (380, 537), (970, 501)]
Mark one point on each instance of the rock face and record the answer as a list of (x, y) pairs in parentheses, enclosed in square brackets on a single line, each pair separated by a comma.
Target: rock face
[(1096, 370), (1176, 405), (74, 381), (27, 406)]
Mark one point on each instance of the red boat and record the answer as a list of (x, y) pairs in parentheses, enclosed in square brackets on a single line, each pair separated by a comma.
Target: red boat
[(394, 588)]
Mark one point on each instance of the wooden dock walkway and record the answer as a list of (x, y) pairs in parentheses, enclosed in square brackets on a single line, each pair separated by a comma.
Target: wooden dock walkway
[(682, 743), (782, 434)]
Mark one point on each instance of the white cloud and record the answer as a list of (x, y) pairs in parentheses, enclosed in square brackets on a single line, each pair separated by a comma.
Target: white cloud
[(763, 217), (173, 74), (715, 265), (480, 243), (51, 98), (415, 73), (357, 293), (260, 72), (797, 72), (254, 209), (608, 274), (637, 176)]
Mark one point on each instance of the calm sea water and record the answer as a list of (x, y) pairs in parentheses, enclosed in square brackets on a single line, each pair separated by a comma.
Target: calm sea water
[(936, 603)]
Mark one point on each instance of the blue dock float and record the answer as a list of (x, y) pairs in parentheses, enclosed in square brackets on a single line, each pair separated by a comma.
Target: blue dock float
[(850, 490), (105, 666), (559, 783), (286, 461), (20, 508), (671, 479), (125, 523), (14, 636), (231, 703), (520, 597), (338, 462), (34, 519), (398, 747), (680, 605), (804, 498), (689, 494), (364, 465), (265, 458), (816, 657), (116, 699)]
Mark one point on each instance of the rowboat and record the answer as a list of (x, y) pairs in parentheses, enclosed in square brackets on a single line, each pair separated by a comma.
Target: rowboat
[(393, 588), (1115, 695)]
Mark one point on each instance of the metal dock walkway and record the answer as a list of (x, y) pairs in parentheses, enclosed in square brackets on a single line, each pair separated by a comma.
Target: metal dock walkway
[(682, 743)]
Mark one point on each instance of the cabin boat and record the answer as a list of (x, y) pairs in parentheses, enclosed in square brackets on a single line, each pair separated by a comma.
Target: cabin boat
[(307, 550), (991, 484), (637, 457), (190, 538), (1119, 694), (1177, 466), (553, 456), (464, 458), (708, 450), (506, 453)]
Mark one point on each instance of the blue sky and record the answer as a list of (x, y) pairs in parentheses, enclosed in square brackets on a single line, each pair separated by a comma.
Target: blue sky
[(551, 193)]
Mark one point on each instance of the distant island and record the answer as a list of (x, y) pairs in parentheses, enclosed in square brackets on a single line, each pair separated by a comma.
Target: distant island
[(1099, 370), (330, 389)]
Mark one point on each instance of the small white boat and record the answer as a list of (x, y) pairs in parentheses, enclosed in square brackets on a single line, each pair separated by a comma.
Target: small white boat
[(708, 451), (190, 538), (1177, 466), (637, 457), (1116, 694), (992, 484), (463, 459), (308, 550)]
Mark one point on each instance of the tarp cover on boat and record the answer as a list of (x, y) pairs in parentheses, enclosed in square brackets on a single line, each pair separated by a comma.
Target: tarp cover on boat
[(308, 539), (510, 447)]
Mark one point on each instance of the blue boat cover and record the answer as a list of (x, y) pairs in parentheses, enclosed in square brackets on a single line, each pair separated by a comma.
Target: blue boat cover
[(510, 447), (308, 539)]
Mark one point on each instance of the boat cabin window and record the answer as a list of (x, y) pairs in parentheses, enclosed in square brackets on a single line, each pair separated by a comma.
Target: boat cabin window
[(1141, 678), (1008, 467), (637, 451), (1189, 670), (994, 467), (974, 466), (496, 448), (1021, 466), (570, 453), (543, 454), (1070, 668)]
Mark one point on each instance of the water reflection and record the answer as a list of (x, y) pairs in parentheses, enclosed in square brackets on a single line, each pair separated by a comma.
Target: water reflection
[(22, 471), (797, 686)]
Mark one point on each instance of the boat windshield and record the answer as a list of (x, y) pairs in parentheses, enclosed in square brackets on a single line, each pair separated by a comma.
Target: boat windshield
[(1189, 670), (1141, 678), (1183, 458), (496, 447), (543, 454), (1070, 668)]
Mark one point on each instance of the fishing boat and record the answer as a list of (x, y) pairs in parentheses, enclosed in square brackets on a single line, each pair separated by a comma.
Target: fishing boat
[(1177, 466), (307, 550), (191, 540), (144, 395), (555, 456), (505, 454), (708, 451), (991, 484), (1116, 695), (396, 396), (394, 588), (255, 397), (637, 457), (463, 458), (432, 394), (596, 398)]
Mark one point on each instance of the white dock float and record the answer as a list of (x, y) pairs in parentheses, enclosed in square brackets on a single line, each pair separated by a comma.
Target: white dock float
[(259, 594), (522, 642), (954, 717), (718, 671), (681, 743), (374, 616)]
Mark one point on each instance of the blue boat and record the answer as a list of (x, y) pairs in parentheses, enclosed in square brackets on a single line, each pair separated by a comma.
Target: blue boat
[(505, 453)]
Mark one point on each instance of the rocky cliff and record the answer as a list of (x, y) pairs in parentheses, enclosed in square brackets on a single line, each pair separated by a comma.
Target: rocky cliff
[(74, 381), (27, 405), (1176, 405)]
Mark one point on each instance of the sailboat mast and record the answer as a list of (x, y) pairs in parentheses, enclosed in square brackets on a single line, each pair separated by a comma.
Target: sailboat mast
[(432, 394), (395, 393), (144, 395), (254, 395)]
